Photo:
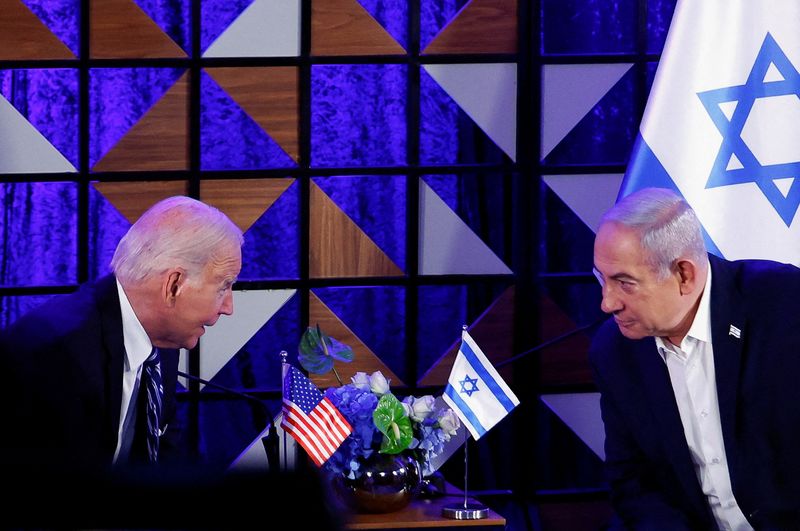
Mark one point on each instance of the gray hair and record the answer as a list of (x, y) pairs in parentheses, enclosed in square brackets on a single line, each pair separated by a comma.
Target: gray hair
[(178, 231), (668, 227)]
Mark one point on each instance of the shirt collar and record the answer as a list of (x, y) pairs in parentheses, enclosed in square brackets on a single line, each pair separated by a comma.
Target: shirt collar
[(700, 330), (137, 343)]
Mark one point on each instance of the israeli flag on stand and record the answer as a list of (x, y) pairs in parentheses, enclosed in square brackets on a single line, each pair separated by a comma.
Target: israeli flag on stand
[(722, 124), (475, 391)]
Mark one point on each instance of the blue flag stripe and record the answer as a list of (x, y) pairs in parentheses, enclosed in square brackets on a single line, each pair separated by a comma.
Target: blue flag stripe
[(487, 378), (465, 409)]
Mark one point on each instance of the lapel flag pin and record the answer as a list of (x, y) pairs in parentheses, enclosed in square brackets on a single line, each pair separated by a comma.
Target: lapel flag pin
[(735, 332)]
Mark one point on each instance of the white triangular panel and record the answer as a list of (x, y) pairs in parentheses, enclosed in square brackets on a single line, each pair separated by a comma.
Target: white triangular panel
[(23, 149), (266, 28), (589, 196), (447, 246), (488, 94), (569, 92), (581, 413), (223, 340), (254, 457)]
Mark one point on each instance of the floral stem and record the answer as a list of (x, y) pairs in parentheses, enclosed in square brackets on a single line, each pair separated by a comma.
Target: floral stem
[(337, 376)]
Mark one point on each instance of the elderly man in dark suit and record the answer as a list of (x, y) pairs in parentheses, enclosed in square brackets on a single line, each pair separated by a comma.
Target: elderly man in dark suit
[(89, 378), (699, 371)]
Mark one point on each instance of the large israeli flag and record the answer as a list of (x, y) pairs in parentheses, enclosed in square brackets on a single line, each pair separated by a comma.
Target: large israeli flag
[(475, 390), (722, 124)]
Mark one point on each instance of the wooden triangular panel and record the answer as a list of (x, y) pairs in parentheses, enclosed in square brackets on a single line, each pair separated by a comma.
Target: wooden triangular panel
[(159, 140), (133, 198), (493, 332), (269, 95), (344, 27), (120, 29), (243, 200), (24, 36), (338, 247), (365, 360), (482, 26), (567, 362)]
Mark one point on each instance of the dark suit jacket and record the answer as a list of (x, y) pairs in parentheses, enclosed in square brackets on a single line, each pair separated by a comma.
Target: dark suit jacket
[(61, 389), (652, 479)]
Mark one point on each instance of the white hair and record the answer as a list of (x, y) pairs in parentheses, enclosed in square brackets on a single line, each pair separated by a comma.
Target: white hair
[(668, 227), (176, 232)]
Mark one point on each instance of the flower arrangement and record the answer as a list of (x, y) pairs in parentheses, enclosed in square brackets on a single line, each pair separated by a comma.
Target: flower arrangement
[(380, 421)]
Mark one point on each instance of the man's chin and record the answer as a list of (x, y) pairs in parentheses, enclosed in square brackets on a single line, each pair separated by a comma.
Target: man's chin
[(630, 333)]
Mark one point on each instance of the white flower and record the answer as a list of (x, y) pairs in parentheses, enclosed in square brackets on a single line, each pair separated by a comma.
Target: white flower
[(419, 408), (449, 422), (361, 381), (378, 384)]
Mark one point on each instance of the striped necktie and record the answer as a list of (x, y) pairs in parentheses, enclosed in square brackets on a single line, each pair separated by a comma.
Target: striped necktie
[(151, 384)]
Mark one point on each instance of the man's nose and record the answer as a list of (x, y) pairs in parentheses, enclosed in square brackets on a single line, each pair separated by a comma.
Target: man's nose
[(610, 303), (227, 304)]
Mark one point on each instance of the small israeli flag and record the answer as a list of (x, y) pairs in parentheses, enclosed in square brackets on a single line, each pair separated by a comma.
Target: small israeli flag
[(475, 391), (721, 125)]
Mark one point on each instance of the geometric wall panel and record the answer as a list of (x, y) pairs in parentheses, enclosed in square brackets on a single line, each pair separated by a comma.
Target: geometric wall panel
[(243, 200), (488, 94), (133, 198), (266, 28), (121, 29), (269, 95), (24, 36), (344, 27), (159, 141), (338, 247), (581, 413), (588, 207), (569, 92), (482, 26), (364, 361), (493, 331), (447, 246), (565, 362)]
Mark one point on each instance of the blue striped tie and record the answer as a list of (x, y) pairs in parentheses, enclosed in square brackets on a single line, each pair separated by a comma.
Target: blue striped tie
[(151, 382)]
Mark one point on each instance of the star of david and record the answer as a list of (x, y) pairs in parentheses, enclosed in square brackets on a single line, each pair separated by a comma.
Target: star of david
[(472, 382), (726, 171)]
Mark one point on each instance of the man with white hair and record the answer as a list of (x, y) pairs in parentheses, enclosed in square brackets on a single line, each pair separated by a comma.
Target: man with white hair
[(699, 373), (89, 378)]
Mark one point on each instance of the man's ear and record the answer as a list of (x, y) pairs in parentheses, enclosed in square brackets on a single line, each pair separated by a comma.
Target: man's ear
[(173, 285), (687, 272)]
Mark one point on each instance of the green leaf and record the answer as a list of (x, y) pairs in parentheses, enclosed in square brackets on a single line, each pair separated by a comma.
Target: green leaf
[(317, 351), (390, 418)]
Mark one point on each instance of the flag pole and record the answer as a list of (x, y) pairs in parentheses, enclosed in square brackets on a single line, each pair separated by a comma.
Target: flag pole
[(467, 511), (285, 461)]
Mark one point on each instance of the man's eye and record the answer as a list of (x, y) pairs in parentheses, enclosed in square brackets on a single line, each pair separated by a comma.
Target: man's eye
[(627, 286)]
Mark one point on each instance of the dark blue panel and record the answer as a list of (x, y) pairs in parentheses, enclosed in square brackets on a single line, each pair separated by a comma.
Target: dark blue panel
[(659, 16), (272, 244), (258, 364), (447, 134), (38, 224), (229, 138), (377, 316), (442, 313), (606, 134), (14, 307), (227, 427), (216, 16), (106, 228), (48, 99), (377, 204), (392, 15), (118, 98), (568, 242), (433, 16), (62, 17), (358, 115), (173, 17), (589, 26)]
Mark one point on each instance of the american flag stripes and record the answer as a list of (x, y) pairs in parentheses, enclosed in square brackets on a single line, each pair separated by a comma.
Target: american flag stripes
[(310, 417)]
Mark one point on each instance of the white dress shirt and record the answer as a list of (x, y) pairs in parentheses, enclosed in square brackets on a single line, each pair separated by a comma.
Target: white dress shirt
[(137, 350), (691, 371)]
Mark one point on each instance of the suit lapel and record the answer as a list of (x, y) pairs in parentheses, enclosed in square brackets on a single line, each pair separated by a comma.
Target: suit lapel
[(727, 322), (661, 397), (113, 341)]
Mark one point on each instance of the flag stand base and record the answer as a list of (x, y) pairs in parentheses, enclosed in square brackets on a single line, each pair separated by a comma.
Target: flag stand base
[(465, 511)]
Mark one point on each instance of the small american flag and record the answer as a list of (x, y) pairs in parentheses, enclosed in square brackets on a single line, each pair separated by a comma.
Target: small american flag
[(310, 417)]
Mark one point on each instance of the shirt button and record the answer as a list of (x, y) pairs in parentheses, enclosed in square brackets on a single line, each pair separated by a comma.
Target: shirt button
[(703, 414), (715, 461)]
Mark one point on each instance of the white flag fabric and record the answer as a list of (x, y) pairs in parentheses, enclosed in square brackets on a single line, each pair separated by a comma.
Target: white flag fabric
[(475, 390), (722, 124)]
